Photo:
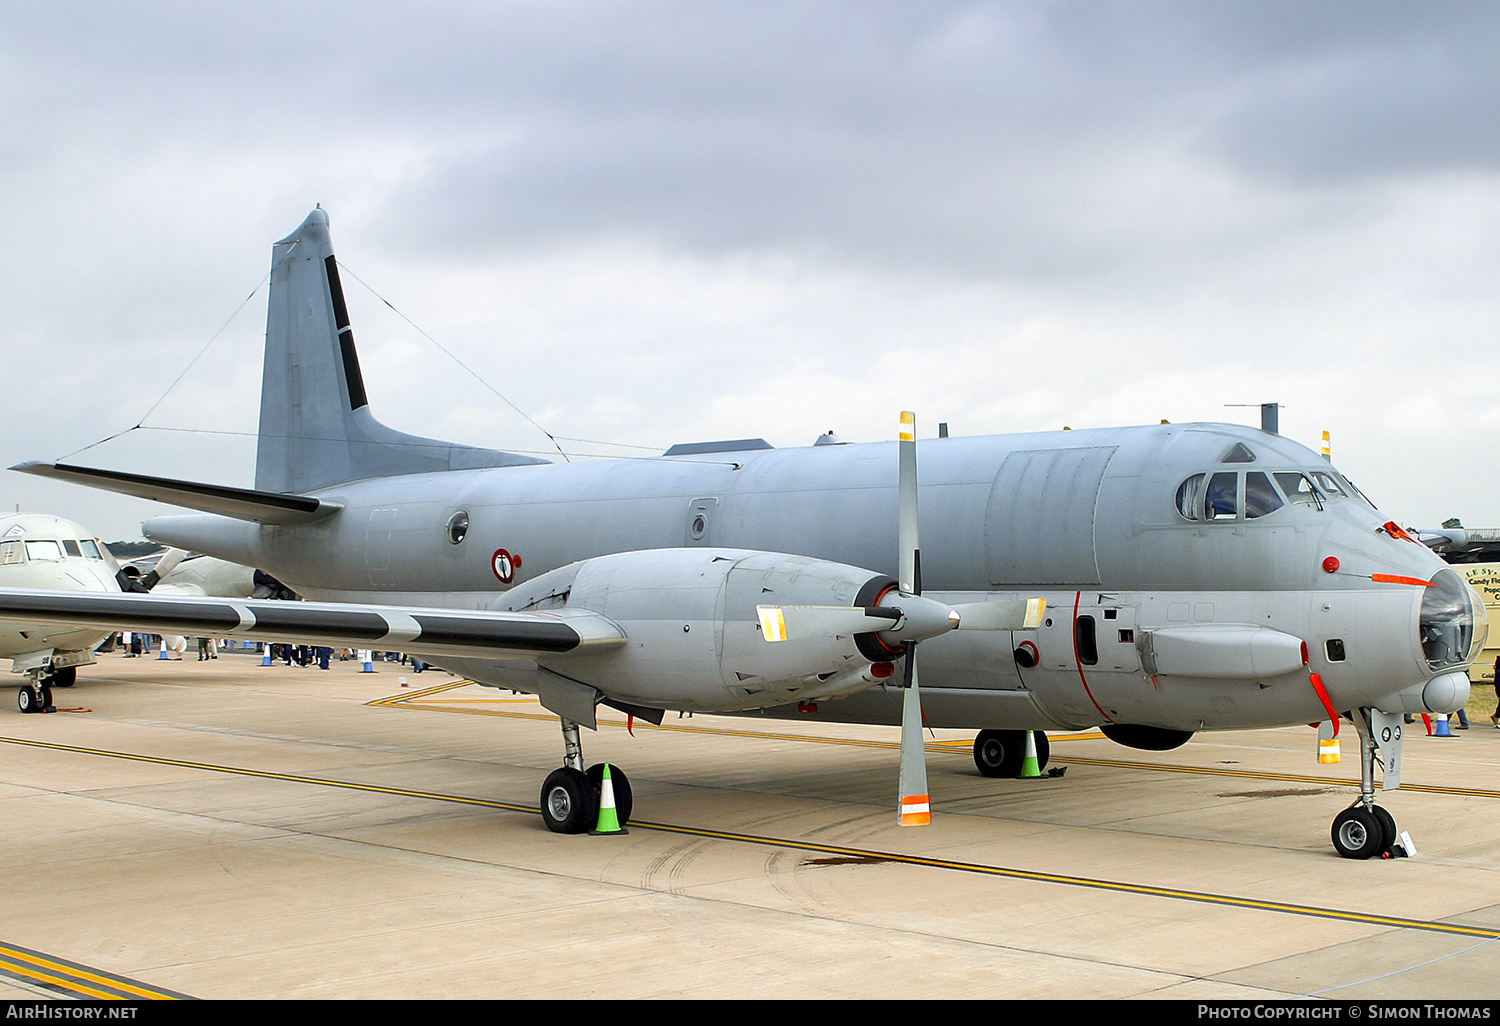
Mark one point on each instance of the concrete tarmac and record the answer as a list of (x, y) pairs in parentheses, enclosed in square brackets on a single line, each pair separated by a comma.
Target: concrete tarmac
[(226, 830)]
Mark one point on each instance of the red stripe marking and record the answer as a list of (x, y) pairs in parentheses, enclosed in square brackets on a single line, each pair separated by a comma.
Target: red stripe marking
[(1396, 579)]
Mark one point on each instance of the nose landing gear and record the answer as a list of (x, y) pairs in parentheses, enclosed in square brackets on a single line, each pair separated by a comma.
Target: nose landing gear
[(1365, 830)]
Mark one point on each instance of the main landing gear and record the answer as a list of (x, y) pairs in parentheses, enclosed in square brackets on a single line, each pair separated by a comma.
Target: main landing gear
[(570, 795), (1365, 830), (1000, 753)]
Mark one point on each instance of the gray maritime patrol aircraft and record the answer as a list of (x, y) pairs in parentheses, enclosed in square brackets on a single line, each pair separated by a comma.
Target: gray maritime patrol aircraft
[(1155, 581)]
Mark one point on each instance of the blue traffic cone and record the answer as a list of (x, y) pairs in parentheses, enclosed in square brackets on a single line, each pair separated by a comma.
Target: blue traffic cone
[(163, 649), (1442, 726)]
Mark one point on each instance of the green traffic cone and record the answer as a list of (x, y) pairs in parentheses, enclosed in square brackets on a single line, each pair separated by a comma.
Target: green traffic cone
[(1029, 767), (609, 820)]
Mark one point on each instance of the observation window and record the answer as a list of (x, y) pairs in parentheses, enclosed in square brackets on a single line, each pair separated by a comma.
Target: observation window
[(458, 527), (1190, 498)]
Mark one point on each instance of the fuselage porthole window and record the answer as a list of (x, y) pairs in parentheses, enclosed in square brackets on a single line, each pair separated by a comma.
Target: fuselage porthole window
[(458, 527)]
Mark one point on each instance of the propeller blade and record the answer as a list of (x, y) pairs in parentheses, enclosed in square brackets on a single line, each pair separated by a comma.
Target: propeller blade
[(1005, 615), (916, 808), (908, 542), (791, 623)]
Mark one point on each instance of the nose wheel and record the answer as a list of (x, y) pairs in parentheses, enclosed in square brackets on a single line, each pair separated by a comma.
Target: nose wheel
[(33, 698), (1365, 830)]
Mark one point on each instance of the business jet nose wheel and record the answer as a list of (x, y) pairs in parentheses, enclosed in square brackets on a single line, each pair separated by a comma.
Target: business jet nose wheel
[(33, 698)]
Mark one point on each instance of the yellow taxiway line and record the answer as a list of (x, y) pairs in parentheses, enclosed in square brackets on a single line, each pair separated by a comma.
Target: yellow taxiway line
[(863, 855), (74, 980)]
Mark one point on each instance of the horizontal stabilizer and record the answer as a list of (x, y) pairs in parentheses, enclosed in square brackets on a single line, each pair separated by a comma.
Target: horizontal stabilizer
[(436, 632), (240, 503)]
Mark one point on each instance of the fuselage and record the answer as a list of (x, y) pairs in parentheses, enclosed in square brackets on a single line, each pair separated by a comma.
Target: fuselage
[(1131, 534), (41, 551)]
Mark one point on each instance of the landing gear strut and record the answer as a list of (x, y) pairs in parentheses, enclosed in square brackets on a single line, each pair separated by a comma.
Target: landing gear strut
[(570, 795), (1365, 830)]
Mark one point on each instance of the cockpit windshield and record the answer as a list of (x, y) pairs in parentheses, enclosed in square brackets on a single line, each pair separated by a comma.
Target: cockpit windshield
[(1249, 494), (43, 549)]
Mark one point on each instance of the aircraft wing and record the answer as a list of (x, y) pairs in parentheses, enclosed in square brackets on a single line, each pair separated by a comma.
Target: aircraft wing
[(438, 632), (283, 509)]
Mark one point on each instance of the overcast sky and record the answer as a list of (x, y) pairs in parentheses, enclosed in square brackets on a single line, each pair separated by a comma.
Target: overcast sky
[(647, 223)]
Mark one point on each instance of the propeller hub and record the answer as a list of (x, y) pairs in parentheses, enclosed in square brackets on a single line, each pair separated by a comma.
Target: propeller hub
[(921, 618)]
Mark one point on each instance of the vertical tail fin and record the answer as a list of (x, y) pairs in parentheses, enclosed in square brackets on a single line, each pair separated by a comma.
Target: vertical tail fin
[(316, 428)]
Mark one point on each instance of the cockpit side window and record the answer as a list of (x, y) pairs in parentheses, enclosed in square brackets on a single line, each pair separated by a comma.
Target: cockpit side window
[(90, 549), (43, 550), (1190, 498), (12, 552), (71, 548), (1260, 495), (1222, 500)]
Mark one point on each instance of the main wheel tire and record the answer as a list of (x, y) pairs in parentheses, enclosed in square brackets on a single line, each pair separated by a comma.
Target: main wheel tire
[(619, 783), (27, 700), (999, 753), (1387, 827), (44, 699), (1357, 833), (570, 802)]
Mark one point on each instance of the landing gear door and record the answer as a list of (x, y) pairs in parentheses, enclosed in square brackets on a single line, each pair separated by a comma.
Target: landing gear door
[(1387, 728)]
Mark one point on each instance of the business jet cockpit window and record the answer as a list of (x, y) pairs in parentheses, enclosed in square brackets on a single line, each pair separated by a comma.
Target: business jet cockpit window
[(43, 549), (90, 549)]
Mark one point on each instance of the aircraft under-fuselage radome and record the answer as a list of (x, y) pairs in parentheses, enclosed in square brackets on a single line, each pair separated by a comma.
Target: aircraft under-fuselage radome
[(1195, 576)]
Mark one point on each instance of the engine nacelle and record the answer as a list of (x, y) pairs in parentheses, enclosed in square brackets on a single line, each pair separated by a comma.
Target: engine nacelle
[(693, 637)]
